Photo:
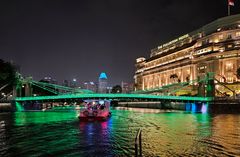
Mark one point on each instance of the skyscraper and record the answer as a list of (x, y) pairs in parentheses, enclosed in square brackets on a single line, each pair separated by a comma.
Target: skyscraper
[(102, 83), (90, 86)]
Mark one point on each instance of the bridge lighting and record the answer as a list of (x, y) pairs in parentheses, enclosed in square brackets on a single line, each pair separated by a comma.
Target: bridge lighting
[(113, 96), (204, 108), (101, 102), (194, 107)]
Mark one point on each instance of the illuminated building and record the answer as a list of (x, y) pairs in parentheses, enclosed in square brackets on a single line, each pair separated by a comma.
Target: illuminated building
[(65, 83), (126, 87), (212, 48), (102, 83), (48, 79), (90, 86), (73, 83)]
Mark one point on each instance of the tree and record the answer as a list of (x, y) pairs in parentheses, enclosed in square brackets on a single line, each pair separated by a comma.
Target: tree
[(8, 78), (116, 89), (7, 73), (238, 73)]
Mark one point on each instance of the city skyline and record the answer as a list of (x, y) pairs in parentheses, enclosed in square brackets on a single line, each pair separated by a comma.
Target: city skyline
[(69, 40)]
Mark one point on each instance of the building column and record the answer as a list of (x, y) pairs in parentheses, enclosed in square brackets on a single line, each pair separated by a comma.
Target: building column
[(182, 80), (143, 83), (159, 80), (167, 79), (201, 88)]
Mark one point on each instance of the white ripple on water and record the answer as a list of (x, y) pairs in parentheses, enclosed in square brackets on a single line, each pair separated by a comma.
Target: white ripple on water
[(2, 124)]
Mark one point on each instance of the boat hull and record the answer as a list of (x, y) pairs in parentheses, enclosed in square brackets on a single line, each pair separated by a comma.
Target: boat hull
[(94, 118)]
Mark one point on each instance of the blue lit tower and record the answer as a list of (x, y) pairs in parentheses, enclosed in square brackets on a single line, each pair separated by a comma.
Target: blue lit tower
[(102, 83)]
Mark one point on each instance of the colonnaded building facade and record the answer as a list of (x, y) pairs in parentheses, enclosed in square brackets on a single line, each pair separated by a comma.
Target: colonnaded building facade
[(214, 48)]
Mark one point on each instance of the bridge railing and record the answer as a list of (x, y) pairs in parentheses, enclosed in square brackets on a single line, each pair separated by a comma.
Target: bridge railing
[(173, 88)]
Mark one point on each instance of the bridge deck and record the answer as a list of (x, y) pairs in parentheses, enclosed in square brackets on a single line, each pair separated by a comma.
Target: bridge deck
[(114, 96)]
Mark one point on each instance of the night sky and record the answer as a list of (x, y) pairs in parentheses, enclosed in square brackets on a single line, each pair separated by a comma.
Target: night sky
[(79, 39)]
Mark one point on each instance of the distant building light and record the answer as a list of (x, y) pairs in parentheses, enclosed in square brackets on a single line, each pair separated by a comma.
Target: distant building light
[(47, 78), (74, 80), (141, 59), (92, 83), (103, 76)]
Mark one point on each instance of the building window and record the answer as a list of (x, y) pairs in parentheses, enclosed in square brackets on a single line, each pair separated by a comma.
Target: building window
[(220, 37), (229, 36), (229, 79), (237, 34), (229, 66)]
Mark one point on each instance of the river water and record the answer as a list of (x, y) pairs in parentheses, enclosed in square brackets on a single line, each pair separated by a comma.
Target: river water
[(165, 133)]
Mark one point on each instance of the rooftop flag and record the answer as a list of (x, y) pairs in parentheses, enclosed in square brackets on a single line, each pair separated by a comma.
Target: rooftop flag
[(231, 2)]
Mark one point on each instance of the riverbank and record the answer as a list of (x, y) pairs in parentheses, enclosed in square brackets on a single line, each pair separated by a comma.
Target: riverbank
[(6, 107), (225, 106), (216, 106), (152, 105)]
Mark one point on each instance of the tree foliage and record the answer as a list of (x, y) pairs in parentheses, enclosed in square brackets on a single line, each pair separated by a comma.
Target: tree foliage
[(7, 73), (117, 89)]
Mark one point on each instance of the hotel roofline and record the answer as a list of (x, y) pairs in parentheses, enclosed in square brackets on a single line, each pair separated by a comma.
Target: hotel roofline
[(215, 26)]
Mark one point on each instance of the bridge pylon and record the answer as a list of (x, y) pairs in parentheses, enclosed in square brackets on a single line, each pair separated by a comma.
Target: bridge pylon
[(210, 88), (23, 88), (201, 87), (206, 87)]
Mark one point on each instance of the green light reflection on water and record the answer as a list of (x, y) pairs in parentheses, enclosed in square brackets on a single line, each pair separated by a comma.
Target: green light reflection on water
[(19, 107), (39, 117), (177, 132)]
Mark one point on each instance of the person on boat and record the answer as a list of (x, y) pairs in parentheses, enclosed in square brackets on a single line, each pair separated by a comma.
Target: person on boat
[(95, 106), (88, 106), (102, 107)]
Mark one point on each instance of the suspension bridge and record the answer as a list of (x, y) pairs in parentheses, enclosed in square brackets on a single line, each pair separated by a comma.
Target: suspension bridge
[(58, 92), (205, 87)]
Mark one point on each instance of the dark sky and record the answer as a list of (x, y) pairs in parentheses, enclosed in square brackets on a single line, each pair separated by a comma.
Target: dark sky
[(79, 39)]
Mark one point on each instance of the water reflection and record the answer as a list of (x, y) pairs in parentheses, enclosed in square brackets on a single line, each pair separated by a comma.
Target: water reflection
[(25, 118), (164, 134), (95, 138), (3, 144)]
